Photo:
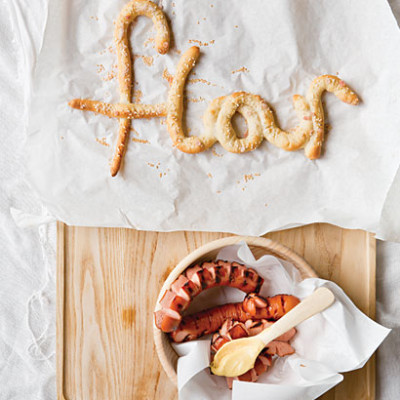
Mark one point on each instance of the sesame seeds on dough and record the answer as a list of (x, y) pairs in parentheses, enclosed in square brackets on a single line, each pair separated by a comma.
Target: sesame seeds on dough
[(308, 134)]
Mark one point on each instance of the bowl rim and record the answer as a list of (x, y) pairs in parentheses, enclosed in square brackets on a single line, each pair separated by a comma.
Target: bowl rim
[(273, 247)]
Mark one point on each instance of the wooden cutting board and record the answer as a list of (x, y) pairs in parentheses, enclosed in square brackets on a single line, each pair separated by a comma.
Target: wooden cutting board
[(107, 284)]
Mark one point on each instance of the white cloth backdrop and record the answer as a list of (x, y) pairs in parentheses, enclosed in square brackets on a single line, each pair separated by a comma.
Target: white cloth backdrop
[(27, 256)]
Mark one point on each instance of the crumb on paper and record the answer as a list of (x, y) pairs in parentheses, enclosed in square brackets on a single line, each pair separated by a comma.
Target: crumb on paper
[(236, 26), (248, 177), (209, 175), (100, 68), (160, 170), (137, 96), (218, 192), (266, 205), (216, 154), (94, 18), (109, 75), (302, 365), (200, 43), (102, 141), (199, 80), (135, 132), (167, 76), (195, 100), (149, 41), (62, 137), (243, 69), (110, 49), (147, 60), (144, 141)]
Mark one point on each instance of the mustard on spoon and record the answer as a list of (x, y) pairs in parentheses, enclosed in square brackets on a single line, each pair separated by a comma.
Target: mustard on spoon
[(238, 356)]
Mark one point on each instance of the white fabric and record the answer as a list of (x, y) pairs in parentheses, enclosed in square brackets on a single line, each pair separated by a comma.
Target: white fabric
[(27, 256)]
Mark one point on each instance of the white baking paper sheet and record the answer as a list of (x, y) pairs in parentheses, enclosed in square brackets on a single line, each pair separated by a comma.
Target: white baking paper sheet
[(340, 339), (272, 48)]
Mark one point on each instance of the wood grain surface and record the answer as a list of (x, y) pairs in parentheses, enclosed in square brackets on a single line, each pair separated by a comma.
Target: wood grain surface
[(107, 285)]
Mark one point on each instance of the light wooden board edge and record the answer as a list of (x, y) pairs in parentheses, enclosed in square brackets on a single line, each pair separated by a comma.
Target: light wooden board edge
[(60, 310), (370, 311), (371, 370), (371, 246)]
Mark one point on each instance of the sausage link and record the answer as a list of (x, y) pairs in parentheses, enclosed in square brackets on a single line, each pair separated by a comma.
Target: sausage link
[(270, 308), (255, 307), (198, 278)]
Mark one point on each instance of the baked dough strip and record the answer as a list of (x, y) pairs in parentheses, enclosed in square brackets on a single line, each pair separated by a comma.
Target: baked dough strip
[(119, 110), (125, 71), (259, 117), (308, 134)]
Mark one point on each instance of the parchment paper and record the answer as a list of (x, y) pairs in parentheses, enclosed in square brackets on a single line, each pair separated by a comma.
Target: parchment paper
[(340, 339), (272, 48)]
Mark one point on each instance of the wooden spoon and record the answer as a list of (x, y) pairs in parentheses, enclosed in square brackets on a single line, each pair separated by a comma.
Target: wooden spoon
[(238, 356)]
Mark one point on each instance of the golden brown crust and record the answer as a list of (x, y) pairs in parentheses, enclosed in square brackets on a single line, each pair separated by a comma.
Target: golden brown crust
[(175, 108), (123, 134), (319, 85), (119, 110), (125, 110), (308, 134), (125, 71), (250, 107), (260, 120)]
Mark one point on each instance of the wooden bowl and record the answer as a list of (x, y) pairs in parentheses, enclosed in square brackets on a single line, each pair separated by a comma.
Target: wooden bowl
[(259, 247)]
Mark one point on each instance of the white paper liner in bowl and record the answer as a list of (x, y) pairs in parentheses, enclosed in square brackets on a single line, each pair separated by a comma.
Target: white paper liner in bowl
[(340, 339)]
